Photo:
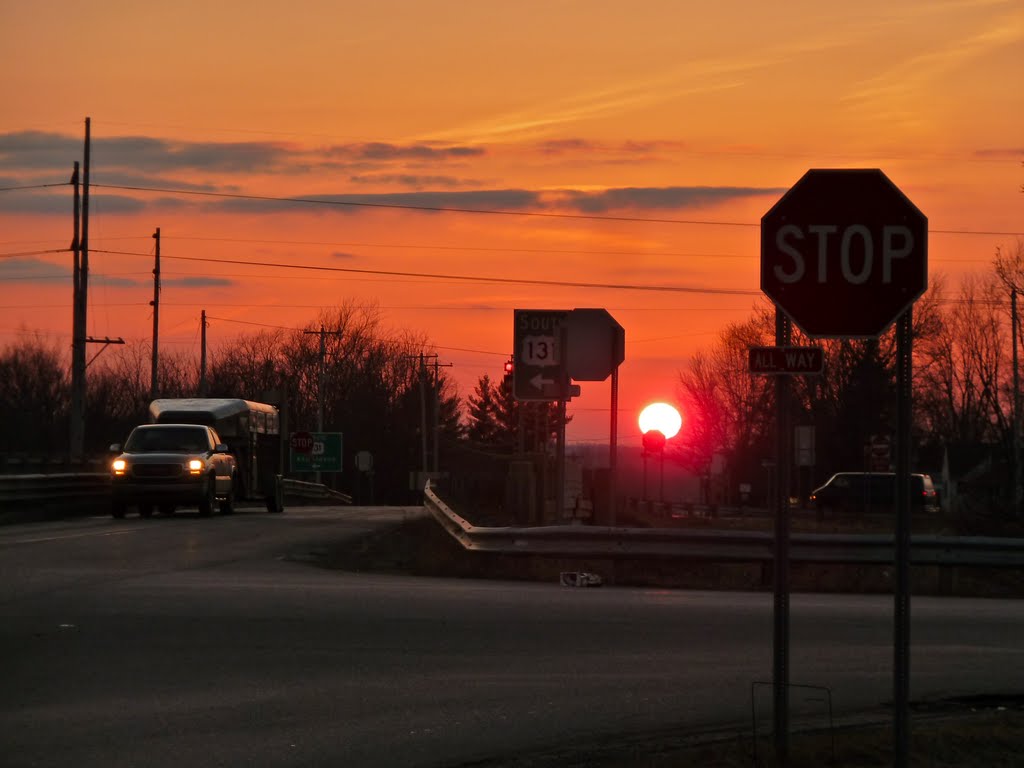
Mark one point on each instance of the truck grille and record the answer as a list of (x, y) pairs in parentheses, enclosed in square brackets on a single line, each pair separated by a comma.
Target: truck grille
[(156, 470)]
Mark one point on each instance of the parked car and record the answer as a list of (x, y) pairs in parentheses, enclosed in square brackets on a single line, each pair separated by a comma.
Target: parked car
[(852, 492), (167, 465)]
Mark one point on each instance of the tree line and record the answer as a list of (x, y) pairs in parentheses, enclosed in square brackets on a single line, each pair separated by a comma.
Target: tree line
[(380, 390), (963, 390)]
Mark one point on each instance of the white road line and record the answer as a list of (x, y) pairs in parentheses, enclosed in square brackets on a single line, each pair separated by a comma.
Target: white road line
[(40, 539)]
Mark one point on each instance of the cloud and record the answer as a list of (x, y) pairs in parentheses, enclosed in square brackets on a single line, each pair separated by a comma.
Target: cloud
[(59, 201), (412, 180), (38, 150), (31, 270), (418, 151), (625, 149), (343, 256), (1000, 154), (199, 282), (481, 200), (656, 198), (565, 146)]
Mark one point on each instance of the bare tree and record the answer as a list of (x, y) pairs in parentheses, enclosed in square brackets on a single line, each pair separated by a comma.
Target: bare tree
[(962, 391), (34, 397)]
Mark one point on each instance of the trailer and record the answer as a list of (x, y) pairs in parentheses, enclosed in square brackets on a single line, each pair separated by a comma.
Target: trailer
[(252, 432)]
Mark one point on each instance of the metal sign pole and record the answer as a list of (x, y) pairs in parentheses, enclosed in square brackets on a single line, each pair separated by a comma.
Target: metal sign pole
[(780, 635), (613, 450), (901, 667)]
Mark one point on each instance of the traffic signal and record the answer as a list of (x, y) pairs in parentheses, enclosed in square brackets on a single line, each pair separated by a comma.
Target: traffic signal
[(654, 441), (509, 366)]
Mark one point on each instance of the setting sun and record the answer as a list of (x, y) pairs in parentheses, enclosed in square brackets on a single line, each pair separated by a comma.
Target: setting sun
[(662, 417)]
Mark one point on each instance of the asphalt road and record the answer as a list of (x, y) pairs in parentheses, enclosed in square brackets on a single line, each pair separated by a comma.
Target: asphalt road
[(213, 642)]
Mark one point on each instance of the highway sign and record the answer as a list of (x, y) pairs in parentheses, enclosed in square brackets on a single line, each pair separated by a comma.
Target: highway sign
[(782, 360), (844, 253), (596, 345), (320, 453), (539, 372)]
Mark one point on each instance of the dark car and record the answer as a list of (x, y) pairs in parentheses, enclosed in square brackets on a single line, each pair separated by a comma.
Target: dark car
[(168, 465), (851, 492)]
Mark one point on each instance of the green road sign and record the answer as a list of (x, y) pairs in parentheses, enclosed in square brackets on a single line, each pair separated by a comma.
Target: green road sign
[(315, 451)]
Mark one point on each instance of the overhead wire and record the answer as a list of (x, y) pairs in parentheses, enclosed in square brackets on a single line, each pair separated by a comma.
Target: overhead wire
[(453, 277)]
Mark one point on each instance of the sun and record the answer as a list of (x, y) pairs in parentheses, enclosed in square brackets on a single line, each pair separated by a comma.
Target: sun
[(662, 417)]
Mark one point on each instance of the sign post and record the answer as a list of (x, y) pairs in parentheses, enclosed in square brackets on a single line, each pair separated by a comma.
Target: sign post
[(844, 254)]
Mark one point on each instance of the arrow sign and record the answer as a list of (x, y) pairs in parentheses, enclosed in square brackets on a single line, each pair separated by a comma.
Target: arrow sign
[(538, 382), (538, 360)]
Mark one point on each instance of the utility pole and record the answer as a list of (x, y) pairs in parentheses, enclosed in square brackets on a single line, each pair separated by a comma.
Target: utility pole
[(202, 354), (1015, 422), (437, 410), (425, 463), (155, 303), (423, 413), (81, 306), (321, 378), (77, 436)]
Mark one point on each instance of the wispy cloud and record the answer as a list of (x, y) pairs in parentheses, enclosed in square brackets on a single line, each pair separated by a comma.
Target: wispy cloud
[(30, 270), (199, 282), (484, 199), (59, 202), (658, 198), (38, 150), (1000, 154), (913, 73), (412, 180)]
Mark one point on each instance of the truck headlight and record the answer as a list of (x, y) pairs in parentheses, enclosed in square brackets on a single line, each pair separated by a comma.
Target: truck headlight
[(195, 466), (119, 466)]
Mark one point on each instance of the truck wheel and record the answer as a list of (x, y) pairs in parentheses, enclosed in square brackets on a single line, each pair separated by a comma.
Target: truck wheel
[(146, 510), (166, 509), (209, 497), (117, 509), (227, 504)]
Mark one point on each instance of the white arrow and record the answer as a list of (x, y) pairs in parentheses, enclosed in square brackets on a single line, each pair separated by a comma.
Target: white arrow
[(539, 381)]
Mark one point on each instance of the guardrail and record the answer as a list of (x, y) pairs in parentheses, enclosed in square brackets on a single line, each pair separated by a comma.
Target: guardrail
[(723, 546), (85, 490), (304, 490), (50, 493)]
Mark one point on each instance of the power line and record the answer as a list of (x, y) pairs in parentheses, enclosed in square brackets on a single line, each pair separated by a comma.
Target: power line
[(487, 211), (33, 253), (467, 248), (35, 186), (249, 322), (464, 278)]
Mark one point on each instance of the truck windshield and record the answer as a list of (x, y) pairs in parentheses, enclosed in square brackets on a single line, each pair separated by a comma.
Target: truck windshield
[(171, 440)]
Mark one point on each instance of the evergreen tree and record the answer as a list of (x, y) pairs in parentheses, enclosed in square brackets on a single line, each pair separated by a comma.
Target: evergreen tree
[(483, 412)]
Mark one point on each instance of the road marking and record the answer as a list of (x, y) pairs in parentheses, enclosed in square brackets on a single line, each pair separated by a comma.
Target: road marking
[(40, 539)]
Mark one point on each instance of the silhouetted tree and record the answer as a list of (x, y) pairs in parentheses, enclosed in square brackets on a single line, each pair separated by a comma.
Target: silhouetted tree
[(482, 418), (34, 397)]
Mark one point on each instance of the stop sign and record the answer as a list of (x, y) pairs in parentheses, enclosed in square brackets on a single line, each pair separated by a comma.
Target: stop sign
[(844, 253)]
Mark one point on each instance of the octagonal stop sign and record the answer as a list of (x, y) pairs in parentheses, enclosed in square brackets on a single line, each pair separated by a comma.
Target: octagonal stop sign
[(844, 253)]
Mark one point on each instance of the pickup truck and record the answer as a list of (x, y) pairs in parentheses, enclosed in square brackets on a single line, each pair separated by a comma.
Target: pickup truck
[(164, 466)]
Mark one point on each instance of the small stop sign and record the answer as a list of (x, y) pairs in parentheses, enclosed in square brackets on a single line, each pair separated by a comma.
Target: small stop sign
[(844, 253)]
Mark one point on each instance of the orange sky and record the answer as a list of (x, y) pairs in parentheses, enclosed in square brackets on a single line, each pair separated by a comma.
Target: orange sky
[(674, 111)]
